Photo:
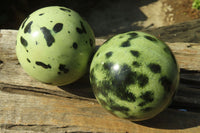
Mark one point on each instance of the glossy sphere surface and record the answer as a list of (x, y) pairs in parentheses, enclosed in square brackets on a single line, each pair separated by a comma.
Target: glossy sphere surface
[(54, 45), (134, 75)]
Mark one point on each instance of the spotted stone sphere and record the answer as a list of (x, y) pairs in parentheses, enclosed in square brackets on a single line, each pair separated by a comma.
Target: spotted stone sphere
[(54, 45), (134, 75)]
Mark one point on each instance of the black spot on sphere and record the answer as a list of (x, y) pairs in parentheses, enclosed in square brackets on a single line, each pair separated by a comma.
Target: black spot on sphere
[(132, 36), (124, 76), (128, 96), (148, 96), (122, 109), (57, 27), (126, 44), (27, 29), (136, 64), (108, 66), (39, 63), (41, 14), (28, 60), (109, 54), (135, 53), (98, 54), (142, 104), (155, 68), (47, 36), (63, 69), (82, 29), (166, 49), (23, 42), (65, 9), (166, 83), (75, 45), (150, 38), (142, 80)]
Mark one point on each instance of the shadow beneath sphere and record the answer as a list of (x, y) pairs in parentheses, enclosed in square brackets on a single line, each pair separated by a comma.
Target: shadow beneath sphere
[(80, 88), (173, 119)]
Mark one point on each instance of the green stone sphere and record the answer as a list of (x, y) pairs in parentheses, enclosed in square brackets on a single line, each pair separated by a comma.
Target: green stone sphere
[(54, 45), (134, 75)]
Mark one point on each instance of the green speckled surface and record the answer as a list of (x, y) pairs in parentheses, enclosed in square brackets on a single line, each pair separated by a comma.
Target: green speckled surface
[(54, 45), (134, 75)]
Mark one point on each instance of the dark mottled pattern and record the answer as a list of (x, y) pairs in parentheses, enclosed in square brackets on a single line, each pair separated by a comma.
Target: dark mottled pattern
[(47, 36), (41, 14), (143, 80), (82, 29), (155, 68), (119, 108), (23, 42), (57, 27), (28, 60), (92, 76), (120, 80), (105, 87), (108, 66), (117, 82), (142, 104), (150, 38), (63, 69), (136, 64), (64, 9), (127, 96), (39, 63), (75, 45), (109, 54), (125, 75), (24, 22), (166, 83), (126, 44), (147, 96), (27, 29), (135, 53)]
